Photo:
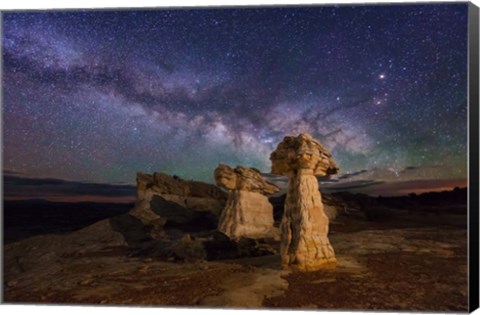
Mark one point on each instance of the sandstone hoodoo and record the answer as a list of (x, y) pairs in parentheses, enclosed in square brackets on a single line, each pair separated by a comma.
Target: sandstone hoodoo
[(304, 227), (161, 197), (248, 213)]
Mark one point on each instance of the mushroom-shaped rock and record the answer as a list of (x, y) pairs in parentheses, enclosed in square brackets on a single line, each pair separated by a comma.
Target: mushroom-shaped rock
[(247, 213), (302, 152), (304, 227)]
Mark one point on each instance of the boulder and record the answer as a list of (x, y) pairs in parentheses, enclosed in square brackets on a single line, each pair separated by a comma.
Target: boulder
[(212, 245), (219, 246), (247, 213), (188, 249), (304, 227)]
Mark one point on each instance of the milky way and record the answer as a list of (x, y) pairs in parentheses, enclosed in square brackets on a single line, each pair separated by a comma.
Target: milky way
[(99, 95)]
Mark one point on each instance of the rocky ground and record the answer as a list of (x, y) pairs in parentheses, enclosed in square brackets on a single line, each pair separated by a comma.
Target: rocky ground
[(410, 262)]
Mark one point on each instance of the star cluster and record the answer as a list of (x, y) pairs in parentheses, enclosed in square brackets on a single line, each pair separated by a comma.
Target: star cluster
[(99, 95)]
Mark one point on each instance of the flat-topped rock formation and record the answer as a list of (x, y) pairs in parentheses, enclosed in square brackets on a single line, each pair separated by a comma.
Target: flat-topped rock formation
[(161, 197), (247, 213), (304, 227)]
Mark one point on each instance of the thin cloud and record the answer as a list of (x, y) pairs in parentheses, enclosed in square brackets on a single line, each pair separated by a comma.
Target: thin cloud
[(350, 175), (410, 168), (352, 185)]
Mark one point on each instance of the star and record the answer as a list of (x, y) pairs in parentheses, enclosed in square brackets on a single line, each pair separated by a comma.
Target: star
[(181, 91)]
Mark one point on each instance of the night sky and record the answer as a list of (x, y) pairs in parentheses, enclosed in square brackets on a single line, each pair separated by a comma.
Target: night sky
[(95, 96)]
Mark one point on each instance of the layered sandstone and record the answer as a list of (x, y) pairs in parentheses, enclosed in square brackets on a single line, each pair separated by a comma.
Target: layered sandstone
[(161, 196), (248, 213), (304, 227)]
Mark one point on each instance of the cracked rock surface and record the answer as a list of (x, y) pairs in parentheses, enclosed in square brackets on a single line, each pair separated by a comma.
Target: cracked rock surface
[(304, 227), (247, 213)]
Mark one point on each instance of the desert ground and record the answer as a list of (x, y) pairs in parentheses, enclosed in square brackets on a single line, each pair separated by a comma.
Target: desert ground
[(413, 259)]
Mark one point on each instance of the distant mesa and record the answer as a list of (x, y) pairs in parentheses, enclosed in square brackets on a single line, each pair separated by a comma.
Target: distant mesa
[(247, 213), (304, 227)]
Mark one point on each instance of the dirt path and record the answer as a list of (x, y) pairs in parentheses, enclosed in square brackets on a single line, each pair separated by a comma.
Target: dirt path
[(249, 290)]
